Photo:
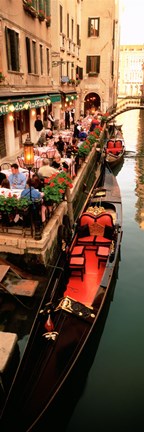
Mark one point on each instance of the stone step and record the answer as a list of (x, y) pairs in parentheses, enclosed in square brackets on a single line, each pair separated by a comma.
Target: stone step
[(9, 356)]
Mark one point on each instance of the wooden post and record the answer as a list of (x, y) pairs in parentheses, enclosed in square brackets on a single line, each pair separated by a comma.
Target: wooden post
[(70, 207)]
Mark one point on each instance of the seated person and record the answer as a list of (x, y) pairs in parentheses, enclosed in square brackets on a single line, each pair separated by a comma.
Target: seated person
[(38, 181), (41, 140), (60, 145), (57, 163), (30, 192), (46, 170), (77, 129), (2, 176), (74, 145), (82, 134), (49, 134), (17, 179), (5, 183)]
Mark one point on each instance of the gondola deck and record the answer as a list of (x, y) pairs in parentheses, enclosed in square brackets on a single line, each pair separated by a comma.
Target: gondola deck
[(69, 311)]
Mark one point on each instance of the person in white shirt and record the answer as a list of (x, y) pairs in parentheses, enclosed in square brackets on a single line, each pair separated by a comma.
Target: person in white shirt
[(51, 120), (46, 170), (17, 179)]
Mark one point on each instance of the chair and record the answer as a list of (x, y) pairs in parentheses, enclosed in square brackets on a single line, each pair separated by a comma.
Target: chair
[(104, 219), (102, 254), (118, 144), (87, 241), (77, 264), (5, 166), (110, 144), (77, 251), (20, 161)]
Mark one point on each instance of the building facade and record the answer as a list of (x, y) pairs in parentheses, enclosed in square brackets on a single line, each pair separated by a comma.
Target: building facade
[(54, 55), (131, 70)]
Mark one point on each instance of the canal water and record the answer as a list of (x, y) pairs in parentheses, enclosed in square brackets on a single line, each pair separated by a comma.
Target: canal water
[(110, 396)]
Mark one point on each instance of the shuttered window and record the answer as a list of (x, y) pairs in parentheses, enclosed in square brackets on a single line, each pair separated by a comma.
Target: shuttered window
[(34, 57), (12, 48), (93, 27), (67, 25), (61, 19), (41, 59), (28, 54), (93, 65)]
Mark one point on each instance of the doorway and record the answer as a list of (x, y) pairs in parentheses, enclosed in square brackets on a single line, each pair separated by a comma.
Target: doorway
[(91, 103)]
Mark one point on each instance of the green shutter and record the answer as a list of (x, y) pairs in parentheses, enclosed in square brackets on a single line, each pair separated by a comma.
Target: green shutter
[(89, 26), (88, 64), (47, 8), (41, 6)]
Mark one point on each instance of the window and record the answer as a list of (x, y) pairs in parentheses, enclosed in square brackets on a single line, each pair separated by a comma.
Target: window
[(93, 27), (79, 72), (61, 19), (21, 122), (72, 29), (67, 25), (47, 61), (28, 55), (41, 59), (31, 56), (67, 69), (78, 34), (113, 39), (93, 65), (34, 57), (112, 69), (12, 47)]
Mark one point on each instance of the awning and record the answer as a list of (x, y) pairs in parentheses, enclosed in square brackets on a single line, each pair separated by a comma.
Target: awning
[(12, 103), (69, 94)]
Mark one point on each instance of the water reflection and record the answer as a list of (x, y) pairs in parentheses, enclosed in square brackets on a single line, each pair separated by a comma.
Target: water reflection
[(134, 139), (140, 172)]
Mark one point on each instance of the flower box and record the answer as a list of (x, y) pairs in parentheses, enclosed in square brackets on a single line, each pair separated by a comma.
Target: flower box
[(56, 187)]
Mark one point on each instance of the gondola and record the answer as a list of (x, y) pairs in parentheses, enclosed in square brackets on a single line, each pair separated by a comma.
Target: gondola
[(114, 148), (69, 312)]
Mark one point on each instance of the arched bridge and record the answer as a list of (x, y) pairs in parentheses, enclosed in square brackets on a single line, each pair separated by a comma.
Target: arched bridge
[(126, 104)]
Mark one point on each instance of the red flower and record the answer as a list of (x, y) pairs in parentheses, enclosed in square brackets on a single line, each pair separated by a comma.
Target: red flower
[(61, 180)]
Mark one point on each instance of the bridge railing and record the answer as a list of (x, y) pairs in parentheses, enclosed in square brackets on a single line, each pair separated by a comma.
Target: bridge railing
[(124, 105)]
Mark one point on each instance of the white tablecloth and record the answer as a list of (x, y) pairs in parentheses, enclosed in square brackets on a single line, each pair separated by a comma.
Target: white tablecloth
[(23, 170), (10, 192)]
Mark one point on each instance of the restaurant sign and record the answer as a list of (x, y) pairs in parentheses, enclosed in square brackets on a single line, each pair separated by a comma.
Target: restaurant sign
[(6, 108)]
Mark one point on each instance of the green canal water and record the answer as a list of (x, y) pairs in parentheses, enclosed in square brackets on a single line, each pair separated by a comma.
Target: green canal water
[(109, 396)]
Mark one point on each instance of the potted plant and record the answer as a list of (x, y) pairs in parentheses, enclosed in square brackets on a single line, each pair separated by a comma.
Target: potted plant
[(41, 15), (2, 77), (11, 206), (48, 20), (71, 81), (84, 150), (8, 209), (29, 8), (23, 205), (55, 188)]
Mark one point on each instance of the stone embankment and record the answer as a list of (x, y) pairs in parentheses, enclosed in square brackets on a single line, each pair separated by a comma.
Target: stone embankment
[(42, 251)]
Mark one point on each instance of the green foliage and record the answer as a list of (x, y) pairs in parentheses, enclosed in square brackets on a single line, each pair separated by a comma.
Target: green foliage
[(12, 204), (56, 187)]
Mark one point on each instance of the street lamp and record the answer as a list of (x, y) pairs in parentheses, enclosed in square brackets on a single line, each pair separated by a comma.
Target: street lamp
[(28, 156), (28, 153), (29, 162)]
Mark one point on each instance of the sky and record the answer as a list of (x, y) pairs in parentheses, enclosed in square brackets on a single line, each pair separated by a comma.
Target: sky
[(132, 22)]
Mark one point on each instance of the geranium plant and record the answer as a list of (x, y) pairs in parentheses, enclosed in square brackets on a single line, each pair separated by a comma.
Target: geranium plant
[(84, 149), (12, 204), (56, 187), (2, 77)]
